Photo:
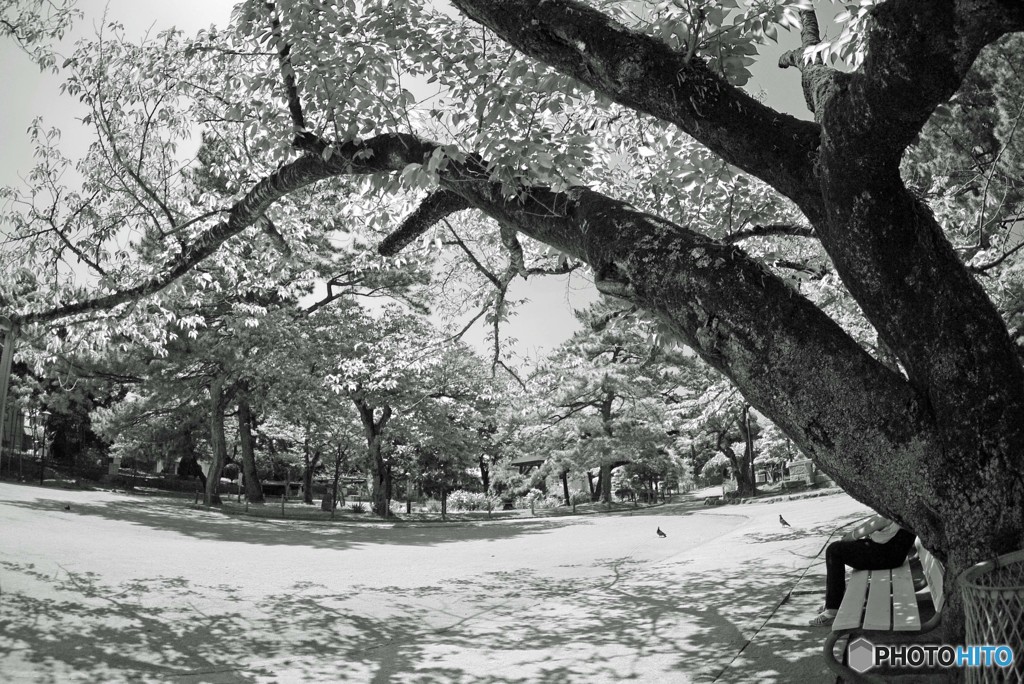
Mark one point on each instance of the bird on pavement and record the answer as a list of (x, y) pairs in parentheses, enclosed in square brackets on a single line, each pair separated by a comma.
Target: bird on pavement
[(783, 521), (67, 507), (661, 534)]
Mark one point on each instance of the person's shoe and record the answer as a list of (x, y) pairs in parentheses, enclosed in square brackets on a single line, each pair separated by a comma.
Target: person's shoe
[(822, 620)]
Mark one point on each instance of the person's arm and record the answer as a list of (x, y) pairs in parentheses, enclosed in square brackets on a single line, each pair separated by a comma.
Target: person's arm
[(872, 524)]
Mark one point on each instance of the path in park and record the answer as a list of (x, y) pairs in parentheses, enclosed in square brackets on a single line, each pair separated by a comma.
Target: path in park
[(143, 589)]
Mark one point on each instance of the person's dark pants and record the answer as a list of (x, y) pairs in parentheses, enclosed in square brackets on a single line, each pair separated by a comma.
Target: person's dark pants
[(861, 554)]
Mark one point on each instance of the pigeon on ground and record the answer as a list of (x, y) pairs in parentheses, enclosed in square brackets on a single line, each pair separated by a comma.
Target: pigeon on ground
[(661, 534), (783, 521), (67, 507)]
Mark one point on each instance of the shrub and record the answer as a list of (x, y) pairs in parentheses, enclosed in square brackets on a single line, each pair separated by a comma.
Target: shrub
[(357, 507), (461, 500), (534, 497), (551, 501)]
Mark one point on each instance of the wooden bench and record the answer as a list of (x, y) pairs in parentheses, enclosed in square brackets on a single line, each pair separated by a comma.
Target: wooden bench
[(882, 601)]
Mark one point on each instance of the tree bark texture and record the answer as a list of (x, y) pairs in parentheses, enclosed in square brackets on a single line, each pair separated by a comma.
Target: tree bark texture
[(606, 467), (380, 471), (218, 441), (253, 490), (747, 465), (605, 481), (310, 463), (744, 483), (485, 474)]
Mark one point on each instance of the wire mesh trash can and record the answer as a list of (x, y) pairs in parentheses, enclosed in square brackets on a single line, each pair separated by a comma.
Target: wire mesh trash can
[(993, 593)]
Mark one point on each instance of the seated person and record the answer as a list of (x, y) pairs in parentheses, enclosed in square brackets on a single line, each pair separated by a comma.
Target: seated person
[(877, 544)]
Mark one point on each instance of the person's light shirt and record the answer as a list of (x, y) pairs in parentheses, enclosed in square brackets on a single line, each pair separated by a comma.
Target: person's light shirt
[(885, 534)]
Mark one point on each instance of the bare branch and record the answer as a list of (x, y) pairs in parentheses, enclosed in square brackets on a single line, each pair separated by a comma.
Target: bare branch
[(995, 262), (473, 259), (510, 371)]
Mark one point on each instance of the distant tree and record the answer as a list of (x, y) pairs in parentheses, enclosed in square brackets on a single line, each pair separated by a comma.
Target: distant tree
[(602, 398)]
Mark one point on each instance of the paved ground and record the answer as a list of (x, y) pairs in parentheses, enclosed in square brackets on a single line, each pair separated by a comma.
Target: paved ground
[(122, 588)]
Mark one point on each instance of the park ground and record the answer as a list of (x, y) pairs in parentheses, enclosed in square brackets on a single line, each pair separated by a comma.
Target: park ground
[(109, 587)]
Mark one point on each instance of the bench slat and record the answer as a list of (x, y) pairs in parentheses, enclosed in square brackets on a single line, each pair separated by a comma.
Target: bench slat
[(933, 573), (877, 614), (853, 602), (905, 615)]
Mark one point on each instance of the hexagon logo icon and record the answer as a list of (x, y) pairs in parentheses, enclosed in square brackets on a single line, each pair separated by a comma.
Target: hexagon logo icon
[(860, 655)]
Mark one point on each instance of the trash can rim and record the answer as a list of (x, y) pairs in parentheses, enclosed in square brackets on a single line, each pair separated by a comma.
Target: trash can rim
[(975, 571)]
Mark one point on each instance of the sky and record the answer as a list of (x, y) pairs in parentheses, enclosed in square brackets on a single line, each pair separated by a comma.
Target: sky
[(539, 325)]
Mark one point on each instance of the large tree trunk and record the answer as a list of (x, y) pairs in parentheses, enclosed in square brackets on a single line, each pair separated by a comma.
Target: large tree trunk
[(605, 481), (373, 427), (309, 465), (485, 474), (740, 466), (748, 483), (606, 468), (330, 501), (565, 487), (381, 495), (218, 441), (253, 490)]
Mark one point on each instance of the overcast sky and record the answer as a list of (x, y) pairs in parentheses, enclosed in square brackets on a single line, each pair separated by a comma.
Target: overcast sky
[(539, 325)]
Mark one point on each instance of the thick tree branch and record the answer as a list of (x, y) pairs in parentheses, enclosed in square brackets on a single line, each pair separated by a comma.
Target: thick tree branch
[(917, 55), (885, 243), (767, 230), (814, 75), (816, 272), (383, 153), (643, 73), (565, 267), (438, 205)]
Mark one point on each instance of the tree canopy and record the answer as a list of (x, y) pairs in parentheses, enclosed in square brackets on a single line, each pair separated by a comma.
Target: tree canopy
[(855, 275)]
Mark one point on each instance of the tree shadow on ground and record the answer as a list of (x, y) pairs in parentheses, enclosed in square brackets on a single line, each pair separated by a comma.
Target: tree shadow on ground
[(212, 525), (831, 530), (494, 628)]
